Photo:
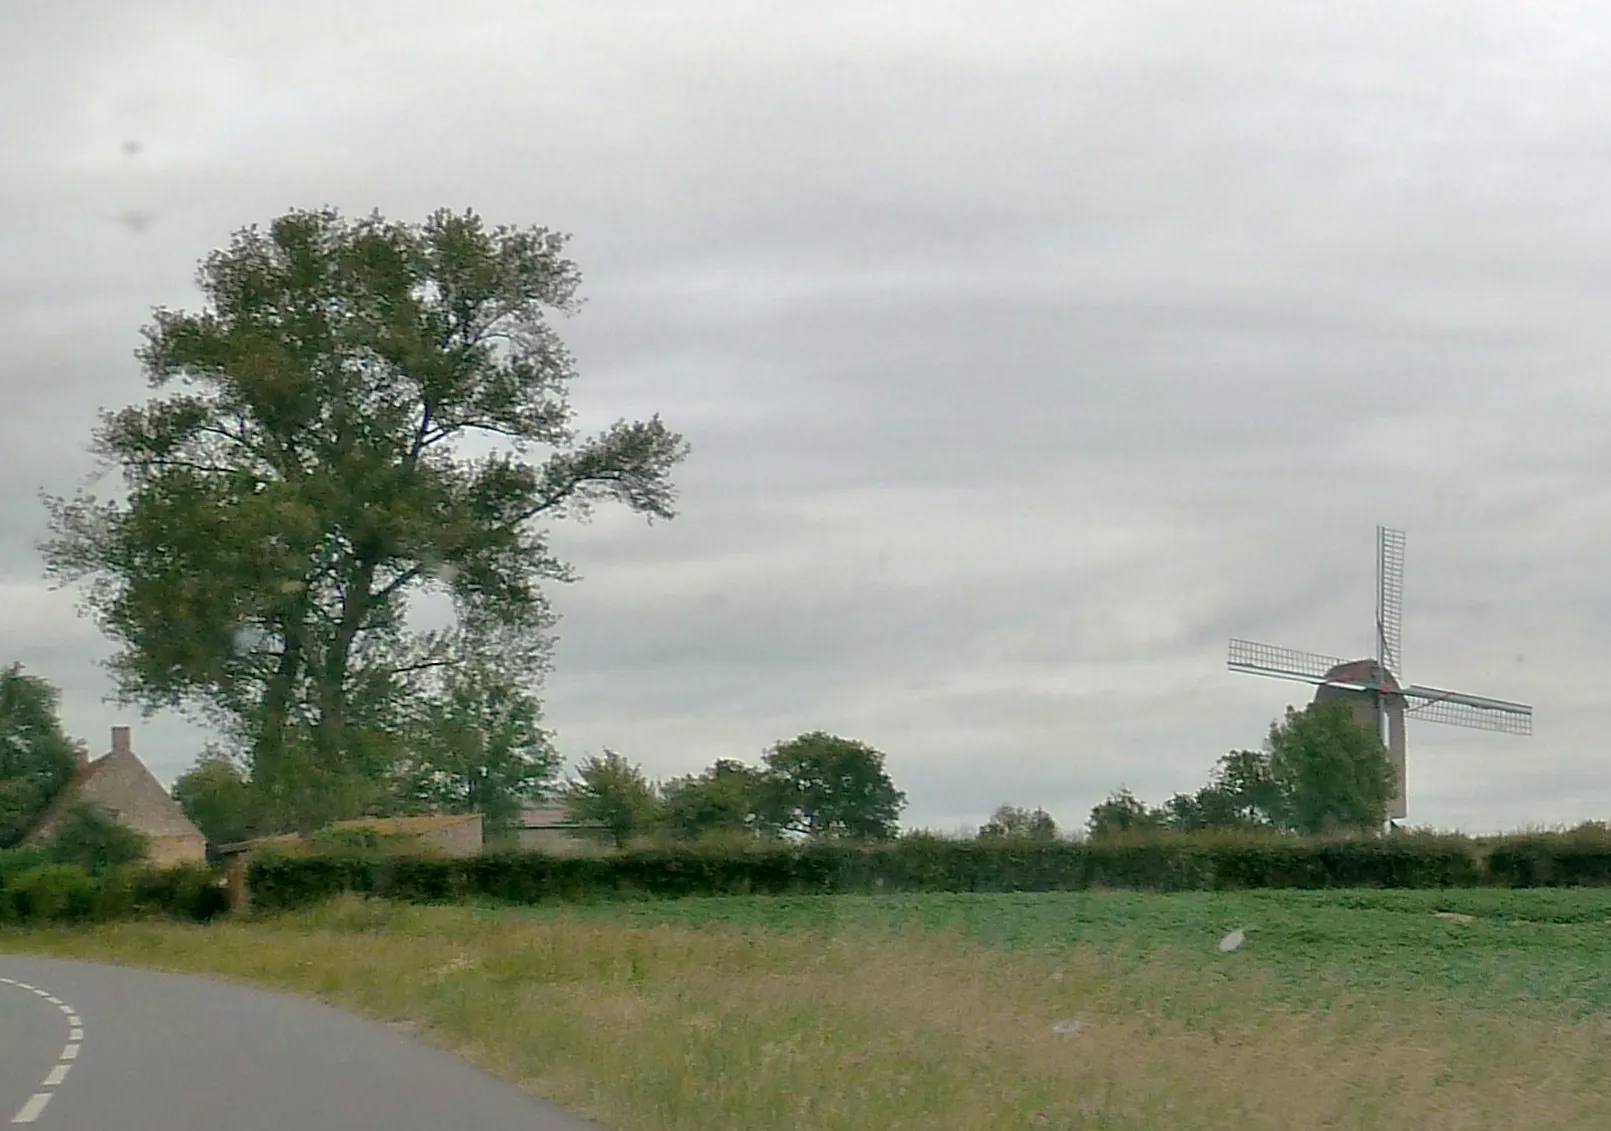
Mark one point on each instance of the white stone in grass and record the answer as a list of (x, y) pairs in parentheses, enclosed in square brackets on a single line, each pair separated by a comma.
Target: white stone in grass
[(1233, 940), (1068, 1027)]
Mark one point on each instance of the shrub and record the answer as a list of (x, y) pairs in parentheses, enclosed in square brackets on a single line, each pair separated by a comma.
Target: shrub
[(15, 860), (95, 841), (48, 894)]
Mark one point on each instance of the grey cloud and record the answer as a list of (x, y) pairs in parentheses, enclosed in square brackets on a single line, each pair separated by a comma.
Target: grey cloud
[(1027, 351)]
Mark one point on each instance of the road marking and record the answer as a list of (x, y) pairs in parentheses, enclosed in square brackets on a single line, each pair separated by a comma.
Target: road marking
[(36, 1103), (31, 1110)]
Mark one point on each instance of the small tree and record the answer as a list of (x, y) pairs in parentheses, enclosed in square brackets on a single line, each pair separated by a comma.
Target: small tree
[(218, 799), (1123, 813), (92, 838), (613, 792), (1013, 821), (476, 744), (36, 758), (1332, 771), (834, 787)]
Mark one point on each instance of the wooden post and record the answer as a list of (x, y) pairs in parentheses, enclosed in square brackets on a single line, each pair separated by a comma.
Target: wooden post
[(235, 871)]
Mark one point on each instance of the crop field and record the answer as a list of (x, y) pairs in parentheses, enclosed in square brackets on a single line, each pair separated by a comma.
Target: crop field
[(1344, 1009)]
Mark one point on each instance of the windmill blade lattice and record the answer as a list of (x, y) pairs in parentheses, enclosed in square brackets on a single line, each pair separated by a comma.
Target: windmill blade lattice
[(1389, 597)]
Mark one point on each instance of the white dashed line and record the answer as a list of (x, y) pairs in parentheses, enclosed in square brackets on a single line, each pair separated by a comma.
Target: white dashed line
[(36, 1103), (32, 1110)]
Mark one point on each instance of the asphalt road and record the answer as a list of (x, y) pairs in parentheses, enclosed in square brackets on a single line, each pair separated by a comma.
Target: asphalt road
[(85, 1047)]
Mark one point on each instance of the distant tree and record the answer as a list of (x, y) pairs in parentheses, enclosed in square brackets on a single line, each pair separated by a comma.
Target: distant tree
[(90, 837), (1123, 813), (219, 801), (1239, 795), (362, 411), (613, 792), (1013, 821), (730, 797), (834, 787), (1332, 771), (476, 744), (36, 757), (1246, 791)]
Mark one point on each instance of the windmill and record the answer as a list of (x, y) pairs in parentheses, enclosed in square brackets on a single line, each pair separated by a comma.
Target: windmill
[(1372, 685)]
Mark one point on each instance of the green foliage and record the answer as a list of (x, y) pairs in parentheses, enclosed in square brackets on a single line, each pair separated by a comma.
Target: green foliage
[(52, 893), (613, 792), (1123, 814), (316, 458), (475, 745), (36, 758), (1329, 771), (729, 799), (1213, 861), (92, 839), (834, 787), (14, 861), (351, 839), (219, 801), (1320, 771), (1013, 821)]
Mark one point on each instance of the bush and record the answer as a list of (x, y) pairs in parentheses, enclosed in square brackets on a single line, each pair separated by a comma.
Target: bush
[(53, 893), (1581, 858), (93, 839), (49, 894), (15, 860), (188, 892)]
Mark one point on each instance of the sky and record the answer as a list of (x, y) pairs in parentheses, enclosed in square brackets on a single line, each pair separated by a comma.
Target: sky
[(1027, 352)]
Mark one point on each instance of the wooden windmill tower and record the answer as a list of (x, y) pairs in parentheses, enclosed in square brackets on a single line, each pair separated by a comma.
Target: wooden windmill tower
[(1372, 685)]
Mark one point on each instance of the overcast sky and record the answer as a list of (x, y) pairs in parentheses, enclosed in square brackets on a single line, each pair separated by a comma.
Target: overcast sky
[(1028, 350)]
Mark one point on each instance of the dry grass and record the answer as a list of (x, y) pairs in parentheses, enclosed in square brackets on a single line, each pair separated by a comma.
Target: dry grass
[(721, 1027)]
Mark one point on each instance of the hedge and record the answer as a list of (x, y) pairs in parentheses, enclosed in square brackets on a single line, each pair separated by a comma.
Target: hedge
[(35, 891), (922, 863)]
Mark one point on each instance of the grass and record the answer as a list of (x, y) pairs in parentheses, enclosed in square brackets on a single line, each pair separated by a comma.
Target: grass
[(941, 1012)]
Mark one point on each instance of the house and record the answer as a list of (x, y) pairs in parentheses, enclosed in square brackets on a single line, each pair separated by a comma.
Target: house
[(550, 826), (122, 785)]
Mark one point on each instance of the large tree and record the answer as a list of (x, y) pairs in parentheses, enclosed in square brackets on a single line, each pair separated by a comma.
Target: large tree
[(362, 411), (36, 758), (1331, 771), (834, 787)]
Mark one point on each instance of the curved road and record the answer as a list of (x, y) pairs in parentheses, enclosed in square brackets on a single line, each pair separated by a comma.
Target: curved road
[(87, 1046)]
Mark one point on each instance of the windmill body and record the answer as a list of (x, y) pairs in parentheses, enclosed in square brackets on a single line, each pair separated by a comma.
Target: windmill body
[(1373, 685)]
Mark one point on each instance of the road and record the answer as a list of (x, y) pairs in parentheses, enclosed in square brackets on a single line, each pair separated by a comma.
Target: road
[(87, 1046)]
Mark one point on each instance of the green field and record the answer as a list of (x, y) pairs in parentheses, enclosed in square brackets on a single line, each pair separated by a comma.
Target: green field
[(1114, 1010), (1537, 950)]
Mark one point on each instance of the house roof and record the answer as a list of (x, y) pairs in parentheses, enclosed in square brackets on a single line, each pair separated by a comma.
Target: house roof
[(159, 815), (68, 794), (396, 826), (551, 815)]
